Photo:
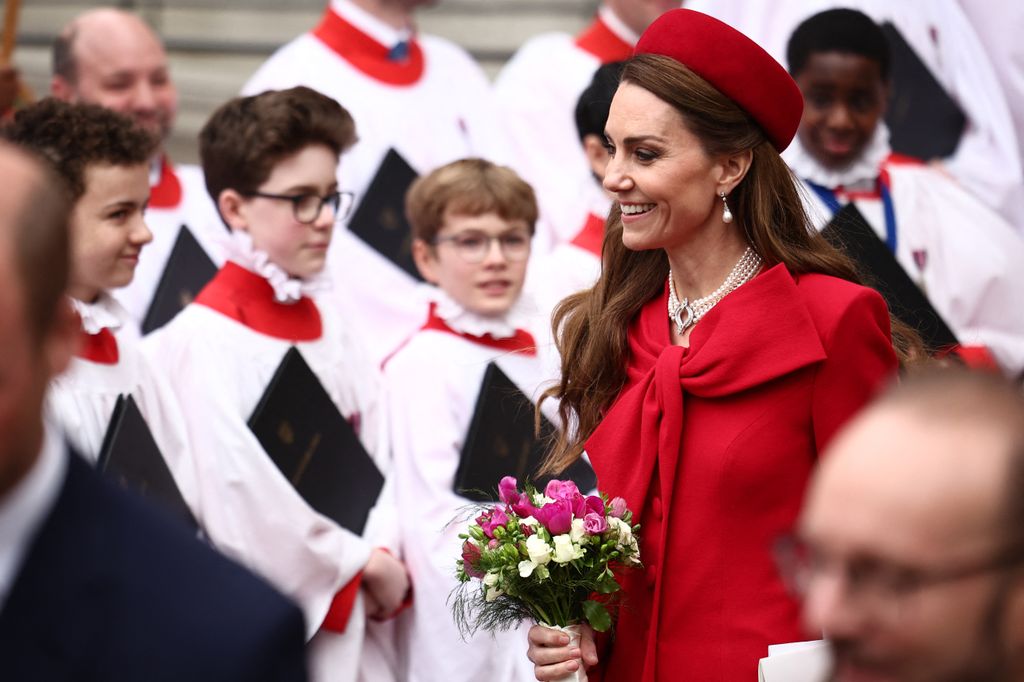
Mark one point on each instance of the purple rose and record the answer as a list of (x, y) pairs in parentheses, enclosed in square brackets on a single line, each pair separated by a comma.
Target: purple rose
[(586, 505), (508, 490), (470, 557), (490, 520), (555, 516), (594, 523), (618, 507), (561, 490)]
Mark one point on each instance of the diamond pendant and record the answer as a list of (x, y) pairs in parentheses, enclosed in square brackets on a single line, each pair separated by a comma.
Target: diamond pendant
[(677, 316)]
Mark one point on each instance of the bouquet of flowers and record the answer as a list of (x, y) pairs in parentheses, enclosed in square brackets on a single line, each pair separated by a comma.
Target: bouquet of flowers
[(543, 556)]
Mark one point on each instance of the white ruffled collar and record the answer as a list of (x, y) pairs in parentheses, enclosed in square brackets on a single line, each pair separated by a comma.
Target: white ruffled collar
[(863, 170), (103, 313), (287, 289), (466, 322)]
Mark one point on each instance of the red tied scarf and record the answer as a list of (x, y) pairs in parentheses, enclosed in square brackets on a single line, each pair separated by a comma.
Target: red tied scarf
[(249, 299), (521, 342), (100, 347), (366, 54), (601, 41), (166, 193), (591, 237), (760, 332)]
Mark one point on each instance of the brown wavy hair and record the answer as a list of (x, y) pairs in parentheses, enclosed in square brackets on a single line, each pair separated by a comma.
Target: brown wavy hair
[(591, 326)]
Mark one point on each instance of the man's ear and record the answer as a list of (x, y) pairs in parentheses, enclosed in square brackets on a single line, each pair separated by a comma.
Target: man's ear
[(426, 260), (61, 89), (733, 168), (232, 206), (62, 338), (597, 155)]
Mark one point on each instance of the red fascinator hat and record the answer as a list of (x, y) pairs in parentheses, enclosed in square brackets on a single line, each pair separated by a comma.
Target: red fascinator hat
[(734, 64)]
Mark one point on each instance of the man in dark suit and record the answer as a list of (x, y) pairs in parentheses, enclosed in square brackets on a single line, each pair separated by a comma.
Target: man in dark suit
[(93, 584)]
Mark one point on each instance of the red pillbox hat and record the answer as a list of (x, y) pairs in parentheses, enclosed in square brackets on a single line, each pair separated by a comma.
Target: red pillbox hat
[(734, 64)]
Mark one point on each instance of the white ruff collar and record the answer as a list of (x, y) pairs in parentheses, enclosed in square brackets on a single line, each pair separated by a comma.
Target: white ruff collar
[(104, 313), (863, 170), (466, 322), (287, 289)]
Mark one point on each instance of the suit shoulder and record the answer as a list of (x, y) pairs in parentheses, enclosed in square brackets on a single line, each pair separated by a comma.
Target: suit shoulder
[(154, 560)]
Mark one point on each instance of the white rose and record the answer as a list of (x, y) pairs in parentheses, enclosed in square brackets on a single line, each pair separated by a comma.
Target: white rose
[(539, 551), (565, 550), (526, 568), (578, 531)]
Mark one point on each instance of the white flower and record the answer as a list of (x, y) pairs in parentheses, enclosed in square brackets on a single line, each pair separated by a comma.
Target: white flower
[(530, 521), (493, 593), (490, 579), (540, 499), (577, 532), (565, 550), (526, 568), (539, 551), (624, 531)]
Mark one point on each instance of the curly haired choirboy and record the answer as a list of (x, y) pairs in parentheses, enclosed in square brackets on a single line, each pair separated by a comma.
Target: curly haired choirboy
[(103, 160)]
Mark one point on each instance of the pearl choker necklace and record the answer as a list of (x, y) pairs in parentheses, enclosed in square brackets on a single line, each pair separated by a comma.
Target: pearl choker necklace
[(686, 313)]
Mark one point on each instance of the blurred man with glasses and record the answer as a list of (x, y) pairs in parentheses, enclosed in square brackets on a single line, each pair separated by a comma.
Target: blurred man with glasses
[(911, 545)]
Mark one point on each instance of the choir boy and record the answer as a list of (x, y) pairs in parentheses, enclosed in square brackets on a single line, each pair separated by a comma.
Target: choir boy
[(270, 163), (472, 222)]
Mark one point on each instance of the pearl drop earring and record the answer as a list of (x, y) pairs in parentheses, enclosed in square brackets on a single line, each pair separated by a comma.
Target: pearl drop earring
[(726, 213)]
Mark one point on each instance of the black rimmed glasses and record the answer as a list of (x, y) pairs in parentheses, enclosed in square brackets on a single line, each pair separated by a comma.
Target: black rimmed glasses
[(307, 207), (878, 586), (473, 246)]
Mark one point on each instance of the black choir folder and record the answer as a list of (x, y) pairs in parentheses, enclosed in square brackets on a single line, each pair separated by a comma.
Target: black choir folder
[(501, 442), (850, 232), (924, 121), (187, 271), (380, 219), (313, 445), (130, 456)]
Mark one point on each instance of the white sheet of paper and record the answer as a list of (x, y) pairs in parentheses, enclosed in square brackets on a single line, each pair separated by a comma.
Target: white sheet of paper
[(795, 662)]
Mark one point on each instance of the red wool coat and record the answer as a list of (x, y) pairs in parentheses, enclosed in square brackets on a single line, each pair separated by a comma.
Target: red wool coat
[(713, 445)]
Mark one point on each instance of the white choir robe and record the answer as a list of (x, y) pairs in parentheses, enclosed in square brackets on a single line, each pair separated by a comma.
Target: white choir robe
[(964, 256), (537, 91), (445, 114), (164, 218), (220, 368), (432, 383), (987, 161), (81, 400)]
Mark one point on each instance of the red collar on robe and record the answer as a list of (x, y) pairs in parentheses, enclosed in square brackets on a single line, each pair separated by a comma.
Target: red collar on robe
[(248, 298), (166, 193), (760, 332), (591, 237), (366, 54), (601, 41), (522, 342), (100, 348)]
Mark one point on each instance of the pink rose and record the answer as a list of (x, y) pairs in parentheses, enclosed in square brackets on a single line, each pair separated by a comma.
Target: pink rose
[(470, 557), (555, 516), (594, 523), (618, 507), (523, 507), (490, 520)]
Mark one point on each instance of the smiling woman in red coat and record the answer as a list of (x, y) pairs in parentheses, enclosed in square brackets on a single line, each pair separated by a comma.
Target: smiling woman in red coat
[(719, 351)]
